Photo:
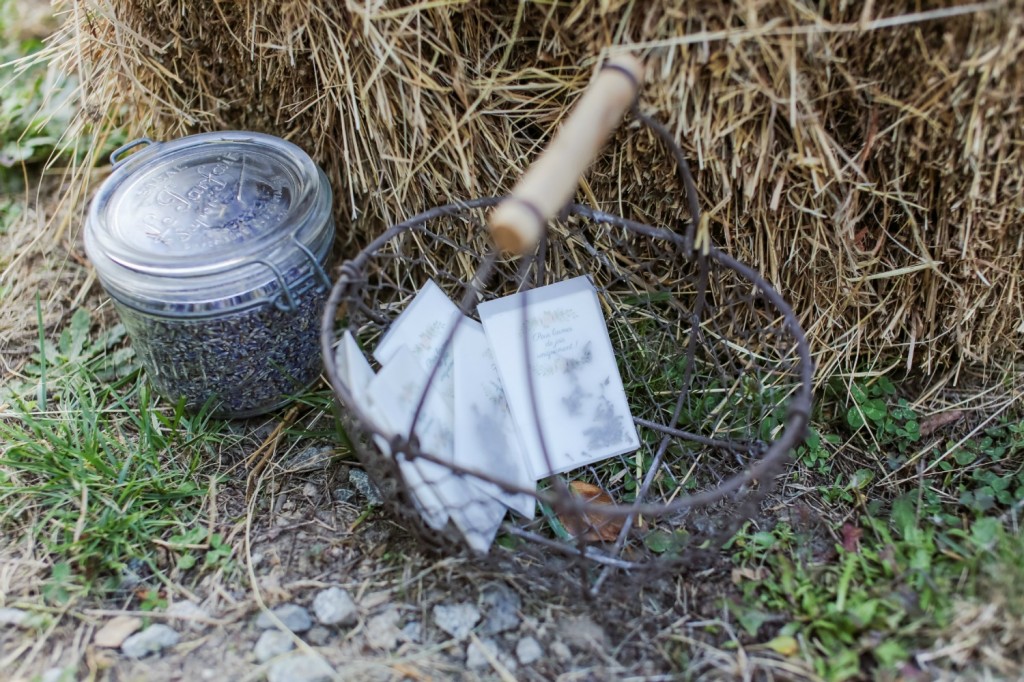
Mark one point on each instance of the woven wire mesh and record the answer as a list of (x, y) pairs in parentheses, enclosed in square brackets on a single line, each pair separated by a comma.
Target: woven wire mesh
[(714, 364)]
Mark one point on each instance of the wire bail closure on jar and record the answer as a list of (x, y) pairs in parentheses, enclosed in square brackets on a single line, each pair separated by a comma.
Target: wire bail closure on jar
[(189, 221), (286, 292)]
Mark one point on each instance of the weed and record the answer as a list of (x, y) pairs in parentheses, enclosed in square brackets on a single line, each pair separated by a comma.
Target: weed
[(196, 542), (61, 585), (76, 356), (897, 577), (881, 593), (152, 600), (891, 419), (815, 452), (34, 106), (37, 109)]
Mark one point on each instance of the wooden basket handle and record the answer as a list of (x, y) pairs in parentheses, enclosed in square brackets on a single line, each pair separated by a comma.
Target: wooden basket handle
[(516, 224)]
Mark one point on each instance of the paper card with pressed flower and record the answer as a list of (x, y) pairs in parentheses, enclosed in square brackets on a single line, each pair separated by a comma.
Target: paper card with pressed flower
[(423, 327), (392, 397), (581, 406)]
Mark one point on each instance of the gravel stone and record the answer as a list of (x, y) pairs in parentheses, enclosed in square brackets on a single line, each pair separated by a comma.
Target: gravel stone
[(309, 459), (188, 614), (503, 604), (456, 619), (334, 606), (584, 634), (59, 675), (528, 650), (10, 617), (365, 486), (560, 651), (294, 617), (132, 574), (300, 669), (382, 630), (343, 494), (115, 631), (475, 655), (413, 632), (272, 643), (152, 640), (318, 635)]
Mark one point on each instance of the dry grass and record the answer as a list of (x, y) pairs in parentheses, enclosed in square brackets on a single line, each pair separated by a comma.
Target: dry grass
[(46, 276), (987, 640), (867, 159)]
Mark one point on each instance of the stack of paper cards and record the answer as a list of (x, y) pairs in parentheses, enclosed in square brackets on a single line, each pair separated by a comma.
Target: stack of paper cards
[(464, 388), (395, 394), (413, 349), (424, 328), (363, 385)]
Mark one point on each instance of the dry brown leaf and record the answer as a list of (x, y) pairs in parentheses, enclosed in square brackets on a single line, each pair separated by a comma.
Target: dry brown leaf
[(115, 631), (851, 537), (745, 573), (935, 422), (591, 526)]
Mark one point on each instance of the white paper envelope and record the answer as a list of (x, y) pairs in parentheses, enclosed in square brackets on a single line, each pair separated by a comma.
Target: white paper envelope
[(485, 435), (423, 328), (354, 370), (581, 404), (394, 395)]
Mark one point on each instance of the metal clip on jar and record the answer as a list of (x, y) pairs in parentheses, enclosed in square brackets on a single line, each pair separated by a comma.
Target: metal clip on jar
[(212, 247)]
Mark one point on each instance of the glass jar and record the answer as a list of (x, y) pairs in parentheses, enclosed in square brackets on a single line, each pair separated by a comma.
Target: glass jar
[(213, 248)]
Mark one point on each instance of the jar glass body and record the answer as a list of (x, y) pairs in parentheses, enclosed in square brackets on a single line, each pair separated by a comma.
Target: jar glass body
[(242, 362)]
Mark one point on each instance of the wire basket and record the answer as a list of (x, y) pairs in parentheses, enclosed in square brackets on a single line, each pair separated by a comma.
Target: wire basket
[(713, 361)]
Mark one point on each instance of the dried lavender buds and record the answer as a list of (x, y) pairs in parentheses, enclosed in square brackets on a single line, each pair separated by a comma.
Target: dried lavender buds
[(243, 363)]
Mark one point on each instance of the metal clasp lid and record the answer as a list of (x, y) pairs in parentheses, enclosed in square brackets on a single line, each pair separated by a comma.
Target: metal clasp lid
[(115, 156), (285, 298)]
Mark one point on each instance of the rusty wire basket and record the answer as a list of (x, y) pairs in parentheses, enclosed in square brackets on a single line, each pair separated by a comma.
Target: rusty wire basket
[(715, 365)]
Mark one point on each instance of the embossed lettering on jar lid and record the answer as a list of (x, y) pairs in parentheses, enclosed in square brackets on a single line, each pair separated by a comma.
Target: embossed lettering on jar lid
[(223, 210)]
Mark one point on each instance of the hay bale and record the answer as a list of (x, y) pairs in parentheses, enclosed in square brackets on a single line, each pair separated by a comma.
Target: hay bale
[(868, 161)]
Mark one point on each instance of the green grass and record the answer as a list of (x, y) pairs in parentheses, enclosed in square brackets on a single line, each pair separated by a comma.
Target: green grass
[(34, 103), (872, 605), (94, 466)]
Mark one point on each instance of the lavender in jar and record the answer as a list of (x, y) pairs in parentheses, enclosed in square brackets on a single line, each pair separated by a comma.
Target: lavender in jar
[(213, 249)]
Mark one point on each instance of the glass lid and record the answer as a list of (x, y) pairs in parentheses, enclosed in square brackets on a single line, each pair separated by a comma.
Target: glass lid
[(204, 203)]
